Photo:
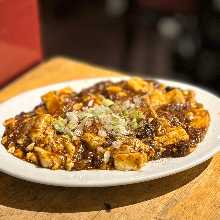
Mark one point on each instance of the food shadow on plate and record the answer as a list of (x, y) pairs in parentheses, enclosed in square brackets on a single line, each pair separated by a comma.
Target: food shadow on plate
[(24, 195)]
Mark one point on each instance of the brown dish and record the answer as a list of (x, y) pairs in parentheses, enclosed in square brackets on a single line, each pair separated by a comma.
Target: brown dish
[(108, 126)]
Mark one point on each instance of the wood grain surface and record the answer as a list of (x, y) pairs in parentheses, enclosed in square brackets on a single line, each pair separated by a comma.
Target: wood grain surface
[(192, 194)]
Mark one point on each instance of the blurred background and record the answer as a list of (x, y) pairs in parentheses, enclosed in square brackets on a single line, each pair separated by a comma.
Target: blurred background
[(176, 39)]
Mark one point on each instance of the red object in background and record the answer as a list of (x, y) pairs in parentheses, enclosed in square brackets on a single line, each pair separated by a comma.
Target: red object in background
[(20, 46)]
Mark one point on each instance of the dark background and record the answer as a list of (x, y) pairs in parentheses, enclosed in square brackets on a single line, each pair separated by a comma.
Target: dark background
[(168, 39)]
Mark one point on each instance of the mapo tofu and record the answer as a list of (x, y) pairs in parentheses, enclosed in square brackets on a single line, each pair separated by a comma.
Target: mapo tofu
[(120, 125)]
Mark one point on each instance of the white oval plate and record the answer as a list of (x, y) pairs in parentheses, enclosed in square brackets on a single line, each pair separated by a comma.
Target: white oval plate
[(97, 178)]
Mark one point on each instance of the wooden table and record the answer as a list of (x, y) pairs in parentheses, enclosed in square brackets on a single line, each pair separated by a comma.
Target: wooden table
[(193, 194)]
